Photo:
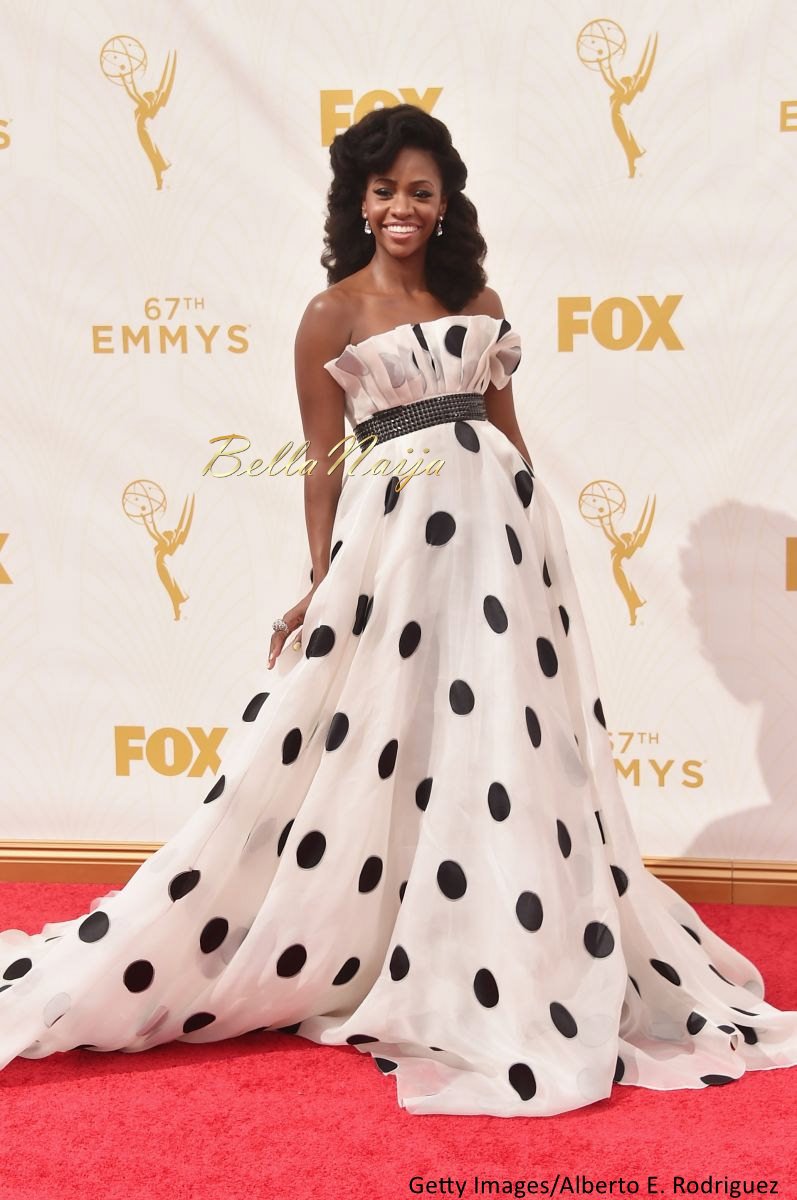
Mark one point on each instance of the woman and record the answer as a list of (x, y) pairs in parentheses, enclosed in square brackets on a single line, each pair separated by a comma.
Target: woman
[(421, 850)]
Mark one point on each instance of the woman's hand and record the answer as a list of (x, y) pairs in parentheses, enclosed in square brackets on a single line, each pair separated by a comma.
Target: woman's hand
[(294, 618)]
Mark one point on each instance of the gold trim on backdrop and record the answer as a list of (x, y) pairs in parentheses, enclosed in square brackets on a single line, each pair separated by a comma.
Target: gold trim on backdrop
[(715, 880)]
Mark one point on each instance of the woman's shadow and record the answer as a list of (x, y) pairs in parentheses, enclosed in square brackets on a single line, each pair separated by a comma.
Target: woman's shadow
[(734, 570)]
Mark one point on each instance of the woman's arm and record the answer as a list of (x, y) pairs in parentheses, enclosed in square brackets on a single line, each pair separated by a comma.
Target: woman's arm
[(322, 334)]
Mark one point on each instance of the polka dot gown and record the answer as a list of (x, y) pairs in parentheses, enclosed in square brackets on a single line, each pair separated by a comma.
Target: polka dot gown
[(417, 845)]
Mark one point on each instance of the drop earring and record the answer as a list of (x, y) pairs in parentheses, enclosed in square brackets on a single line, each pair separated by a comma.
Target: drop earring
[(439, 229), (367, 227)]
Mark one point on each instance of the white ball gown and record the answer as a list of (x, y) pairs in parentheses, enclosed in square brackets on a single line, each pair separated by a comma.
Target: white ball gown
[(418, 846)]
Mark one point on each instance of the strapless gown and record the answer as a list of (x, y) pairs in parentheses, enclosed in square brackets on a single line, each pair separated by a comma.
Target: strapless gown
[(417, 845)]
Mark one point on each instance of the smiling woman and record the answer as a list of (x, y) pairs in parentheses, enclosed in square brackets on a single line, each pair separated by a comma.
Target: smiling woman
[(421, 851)]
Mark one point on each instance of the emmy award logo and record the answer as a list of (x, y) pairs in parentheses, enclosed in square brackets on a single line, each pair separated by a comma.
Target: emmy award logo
[(142, 501), (4, 575), (120, 59), (599, 503), (597, 44)]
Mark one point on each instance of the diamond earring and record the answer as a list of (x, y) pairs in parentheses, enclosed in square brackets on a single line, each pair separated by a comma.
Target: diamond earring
[(367, 227), (439, 229)]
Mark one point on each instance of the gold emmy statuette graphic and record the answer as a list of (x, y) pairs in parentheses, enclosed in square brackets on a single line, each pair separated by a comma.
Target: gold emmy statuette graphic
[(4, 575), (597, 44), (120, 58), (599, 502), (142, 501)]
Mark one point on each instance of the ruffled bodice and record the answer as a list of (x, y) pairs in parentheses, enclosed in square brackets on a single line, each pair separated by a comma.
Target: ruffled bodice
[(429, 358)]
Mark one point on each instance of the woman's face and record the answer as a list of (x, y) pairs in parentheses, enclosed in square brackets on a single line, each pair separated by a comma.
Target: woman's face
[(403, 204)]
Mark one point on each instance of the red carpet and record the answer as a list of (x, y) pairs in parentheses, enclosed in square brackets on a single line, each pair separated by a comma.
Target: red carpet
[(270, 1115)]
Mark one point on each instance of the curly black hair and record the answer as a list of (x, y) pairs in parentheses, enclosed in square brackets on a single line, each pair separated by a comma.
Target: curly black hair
[(454, 272)]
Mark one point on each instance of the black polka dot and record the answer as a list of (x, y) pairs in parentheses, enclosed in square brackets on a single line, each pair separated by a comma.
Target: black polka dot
[(440, 528), (410, 639), (5, 987), (399, 963), (311, 849), (525, 487), (216, 790), (716, 1080), (529, 911), (346, 972), (418, 331), (18, 968), (364, 606), (522, 1079), (727, 1028), (533, 726), (711, 967), (498, 802), (291, 961), (370, 874), (386, 1065), (336, 734), (750, 1036), (467, 436), (387, 759), (565, 618), (254, 706), (600, 826), (291, 745), (451, 879), (495, 614), (547, 656), (460, 697), (139, 975), (198, 1021), (183, 883), (454, 337), (283, 837), (546, 576), (598, 710), (636, 985), (598, 939), (392, 494), (422, 793), (746, 1011), (692, 933), (213, 934), (335, 549), (619, 1070), (95, 927), (322, 639), (486, 988), (666, 971), (563, 1020), (514, 545), (564, 839), (360, 1039), (620, 880), (402, 890)]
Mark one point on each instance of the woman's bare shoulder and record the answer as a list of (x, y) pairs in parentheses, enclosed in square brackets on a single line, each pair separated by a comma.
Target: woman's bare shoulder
[(326, 321), (488, 302)]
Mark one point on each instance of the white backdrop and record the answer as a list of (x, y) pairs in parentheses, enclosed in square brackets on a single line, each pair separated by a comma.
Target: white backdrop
[(691, 412)]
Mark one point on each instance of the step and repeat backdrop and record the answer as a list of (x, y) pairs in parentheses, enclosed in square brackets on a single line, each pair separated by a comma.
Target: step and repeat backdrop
[(163, 177)]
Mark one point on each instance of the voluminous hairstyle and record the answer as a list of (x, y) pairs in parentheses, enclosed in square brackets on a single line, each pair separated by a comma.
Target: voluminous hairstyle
[(454, 272)]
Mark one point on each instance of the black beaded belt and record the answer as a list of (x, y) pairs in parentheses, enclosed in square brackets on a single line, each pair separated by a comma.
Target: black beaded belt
[(433, 410)]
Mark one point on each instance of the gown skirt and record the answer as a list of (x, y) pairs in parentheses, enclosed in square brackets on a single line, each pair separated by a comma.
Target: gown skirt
[(417, 844)]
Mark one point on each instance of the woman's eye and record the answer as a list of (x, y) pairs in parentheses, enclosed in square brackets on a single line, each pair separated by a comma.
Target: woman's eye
[(382, 192)]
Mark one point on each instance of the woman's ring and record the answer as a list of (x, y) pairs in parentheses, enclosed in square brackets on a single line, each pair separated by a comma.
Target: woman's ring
[(278, 625)]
